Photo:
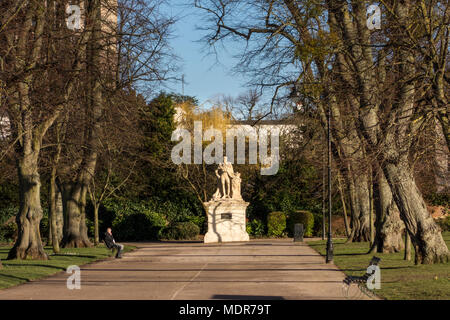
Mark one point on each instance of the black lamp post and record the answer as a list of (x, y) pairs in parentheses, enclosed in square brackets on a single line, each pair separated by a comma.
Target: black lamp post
[(295, 97), (329, 241), (324, 230)]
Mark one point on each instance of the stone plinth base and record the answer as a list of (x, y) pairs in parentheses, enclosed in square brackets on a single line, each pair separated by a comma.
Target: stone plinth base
[(226, 221)]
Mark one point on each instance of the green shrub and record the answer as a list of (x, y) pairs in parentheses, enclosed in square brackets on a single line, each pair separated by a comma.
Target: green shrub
[(44, 226), (9, 194), (136, 222), (304, 217), (438, 199), (276, 224), (158, 215), (8, 226), (182, 231), (444, 223), (197, 220), (318, 222), (248, 228), (256, 228), (286, 204), (8, 232), (173, 211)]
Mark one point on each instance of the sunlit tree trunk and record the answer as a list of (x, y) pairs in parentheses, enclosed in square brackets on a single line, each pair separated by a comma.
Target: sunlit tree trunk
[(392, 227), (52, 214), (425, 234), (75, 191), (75, 230), (96, 231), (28, 243), (344, 206)]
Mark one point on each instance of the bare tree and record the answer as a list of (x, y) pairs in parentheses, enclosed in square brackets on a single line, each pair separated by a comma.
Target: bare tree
[(26, 71), (49, 73), (128, 51), (248, 102), (369, 82)]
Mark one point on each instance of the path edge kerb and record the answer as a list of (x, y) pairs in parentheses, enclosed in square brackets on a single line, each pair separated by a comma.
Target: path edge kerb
[(306, 240), (62, 271)]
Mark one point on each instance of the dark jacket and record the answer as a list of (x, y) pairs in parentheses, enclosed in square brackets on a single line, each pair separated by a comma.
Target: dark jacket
[(109, 240)]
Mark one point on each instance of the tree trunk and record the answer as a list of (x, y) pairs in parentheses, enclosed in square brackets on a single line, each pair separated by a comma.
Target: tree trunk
[(351, 153), (49, 234), (52, 218), (324, 192), (407, 247), (59, 216), (96, 233), (344, 207), (441, 158), (424, 232), (397, 134), (83, 226), (75, 230), (391, 230), (371, 213), (74, 197), (354, 224), (362, 230), (28, 244), (29, 136)]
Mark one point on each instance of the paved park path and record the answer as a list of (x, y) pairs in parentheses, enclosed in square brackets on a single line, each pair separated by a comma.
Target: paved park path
[(264, 269)]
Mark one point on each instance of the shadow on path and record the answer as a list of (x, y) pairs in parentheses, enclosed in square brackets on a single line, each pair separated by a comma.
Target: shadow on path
[(245, 297), (210, 270)]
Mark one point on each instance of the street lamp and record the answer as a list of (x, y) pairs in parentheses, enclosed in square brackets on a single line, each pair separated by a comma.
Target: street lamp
[(324, 231), (329, 240), (295, 97)]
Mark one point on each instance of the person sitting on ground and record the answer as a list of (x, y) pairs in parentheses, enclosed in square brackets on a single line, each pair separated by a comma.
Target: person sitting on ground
[(111, 243)]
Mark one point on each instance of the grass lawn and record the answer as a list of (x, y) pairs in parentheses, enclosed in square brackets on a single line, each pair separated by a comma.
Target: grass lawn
[(15, 272), (400, 279)]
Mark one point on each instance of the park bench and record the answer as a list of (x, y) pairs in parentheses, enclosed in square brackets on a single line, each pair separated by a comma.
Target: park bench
[(112, 248), (361, 281)]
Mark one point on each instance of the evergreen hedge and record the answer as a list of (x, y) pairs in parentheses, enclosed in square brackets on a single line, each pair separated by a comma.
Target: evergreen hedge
[(304, 217), (276, 224)]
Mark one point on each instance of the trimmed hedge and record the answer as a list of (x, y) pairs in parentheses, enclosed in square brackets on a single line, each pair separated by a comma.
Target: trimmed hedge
[(304, 217), (182, 231), (276, 224)]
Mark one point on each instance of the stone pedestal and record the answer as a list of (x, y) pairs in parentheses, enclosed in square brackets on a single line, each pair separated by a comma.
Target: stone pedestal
[(226, 221)]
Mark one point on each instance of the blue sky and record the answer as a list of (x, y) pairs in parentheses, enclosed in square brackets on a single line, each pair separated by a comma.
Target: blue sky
[(204, 77)]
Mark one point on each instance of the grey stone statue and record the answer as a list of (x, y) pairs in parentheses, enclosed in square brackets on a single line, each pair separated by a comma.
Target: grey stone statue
[(226, 209), (229, 182), (236, 187)]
